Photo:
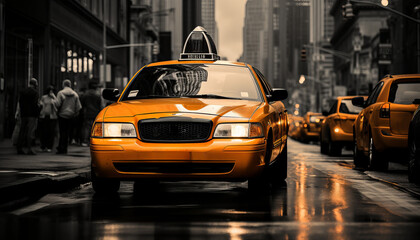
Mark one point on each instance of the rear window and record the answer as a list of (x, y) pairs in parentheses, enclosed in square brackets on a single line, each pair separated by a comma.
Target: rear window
[(347, 106), (404, 92)]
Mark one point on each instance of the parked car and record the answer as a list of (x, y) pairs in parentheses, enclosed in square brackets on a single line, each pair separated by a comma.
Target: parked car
[(382, 126), (337, 127), (311, 127), (196, 118), (414, 146), (295, 126)]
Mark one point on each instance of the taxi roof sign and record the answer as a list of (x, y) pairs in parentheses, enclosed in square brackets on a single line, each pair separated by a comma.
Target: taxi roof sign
[(199, 46)]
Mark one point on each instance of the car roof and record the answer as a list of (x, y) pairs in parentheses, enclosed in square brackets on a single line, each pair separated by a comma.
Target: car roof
[(219, 62), (348, 97), (390, 77)]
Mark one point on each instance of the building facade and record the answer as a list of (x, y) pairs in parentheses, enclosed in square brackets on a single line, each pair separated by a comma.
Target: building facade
[(53, 40), (378, 41)]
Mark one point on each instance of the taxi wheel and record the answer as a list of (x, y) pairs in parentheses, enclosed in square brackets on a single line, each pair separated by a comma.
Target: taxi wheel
[(376, 161), (358, 157), (323, 145), (101, 185), (278, 169), (334, 149), (262, 182), (413, 162)]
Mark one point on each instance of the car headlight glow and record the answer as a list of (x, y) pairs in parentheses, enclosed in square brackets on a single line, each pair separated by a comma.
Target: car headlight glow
[(124, 130), (238, 130)]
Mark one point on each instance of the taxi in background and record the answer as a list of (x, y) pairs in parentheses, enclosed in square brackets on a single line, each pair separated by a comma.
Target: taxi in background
[(382, 126), (311, 127), (295, 127), (196, 118), (337, 127)]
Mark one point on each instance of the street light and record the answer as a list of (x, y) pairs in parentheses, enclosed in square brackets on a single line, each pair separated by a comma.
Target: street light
[(302, 79)]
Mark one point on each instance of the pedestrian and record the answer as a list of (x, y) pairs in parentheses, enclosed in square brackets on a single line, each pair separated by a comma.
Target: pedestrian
[(29, 112), (68, 105), (48, 119), (91, 106)]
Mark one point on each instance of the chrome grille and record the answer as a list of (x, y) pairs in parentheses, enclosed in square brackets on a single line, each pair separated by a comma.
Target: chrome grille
[(174, 130)]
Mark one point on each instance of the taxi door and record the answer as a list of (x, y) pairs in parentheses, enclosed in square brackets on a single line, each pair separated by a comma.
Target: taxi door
[(366, 116)]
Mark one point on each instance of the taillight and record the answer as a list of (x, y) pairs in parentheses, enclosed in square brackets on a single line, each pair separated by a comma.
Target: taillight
[(385, 111)]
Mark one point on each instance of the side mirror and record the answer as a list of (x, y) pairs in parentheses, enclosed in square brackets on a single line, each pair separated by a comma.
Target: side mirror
[(325, 113), (111, 94), (278, 94), (358, 101)]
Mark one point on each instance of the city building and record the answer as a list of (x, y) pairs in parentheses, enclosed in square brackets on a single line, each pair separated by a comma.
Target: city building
[(52, 40), (378, 41)]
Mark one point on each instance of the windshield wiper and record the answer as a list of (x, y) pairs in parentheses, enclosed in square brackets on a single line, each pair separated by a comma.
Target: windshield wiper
[(210, 96), (154, 96)]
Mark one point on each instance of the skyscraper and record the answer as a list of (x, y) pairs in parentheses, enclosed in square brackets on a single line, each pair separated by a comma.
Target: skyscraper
[(208, 19)]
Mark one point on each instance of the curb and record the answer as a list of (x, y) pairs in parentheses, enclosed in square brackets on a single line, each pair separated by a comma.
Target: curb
[(25, 191)]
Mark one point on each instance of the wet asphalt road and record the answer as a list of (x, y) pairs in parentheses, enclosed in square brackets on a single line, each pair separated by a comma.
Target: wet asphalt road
[(324, 198)]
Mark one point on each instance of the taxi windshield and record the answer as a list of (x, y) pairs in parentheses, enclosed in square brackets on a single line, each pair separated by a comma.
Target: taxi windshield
[(193, 81)]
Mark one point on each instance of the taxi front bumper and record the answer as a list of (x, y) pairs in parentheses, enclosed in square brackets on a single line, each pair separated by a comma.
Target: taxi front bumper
[(224, 159)]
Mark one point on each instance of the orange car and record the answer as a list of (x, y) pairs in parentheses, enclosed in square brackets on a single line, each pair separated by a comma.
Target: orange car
[(295, 127), (337, 127), (382, 126), (195, 118), (311, 127)]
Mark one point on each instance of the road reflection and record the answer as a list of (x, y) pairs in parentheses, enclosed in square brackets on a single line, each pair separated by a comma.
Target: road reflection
[(313, 204)]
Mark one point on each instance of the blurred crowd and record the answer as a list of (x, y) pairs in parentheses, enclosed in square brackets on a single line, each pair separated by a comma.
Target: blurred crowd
[(55, 118)]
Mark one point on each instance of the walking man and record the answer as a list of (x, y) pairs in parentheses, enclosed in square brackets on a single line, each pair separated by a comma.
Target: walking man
[(29, 112), (68, 105)]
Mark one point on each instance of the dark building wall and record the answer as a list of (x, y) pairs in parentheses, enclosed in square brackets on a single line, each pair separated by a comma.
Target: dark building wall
[(59, 39), (191, 16)]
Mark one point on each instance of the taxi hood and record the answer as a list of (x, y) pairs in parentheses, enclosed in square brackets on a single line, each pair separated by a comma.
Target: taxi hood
[(215, 107)]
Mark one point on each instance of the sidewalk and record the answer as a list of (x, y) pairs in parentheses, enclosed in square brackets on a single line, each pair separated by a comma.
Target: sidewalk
[(26, 177)]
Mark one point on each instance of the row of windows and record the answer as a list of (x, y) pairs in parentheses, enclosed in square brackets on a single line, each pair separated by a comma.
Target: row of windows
[(116, 13)]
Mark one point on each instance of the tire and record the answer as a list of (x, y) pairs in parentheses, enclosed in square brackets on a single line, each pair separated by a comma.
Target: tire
[(413, 161), (104, 186), (278, 169), (262, 182), (323, 145), (334, 149), (358, 157), (376, 160)]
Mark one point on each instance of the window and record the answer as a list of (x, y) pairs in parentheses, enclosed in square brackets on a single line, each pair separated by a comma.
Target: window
[(267, 88), (347, 106), (213, 81), (375, 93), (404, 92), (333, 108)]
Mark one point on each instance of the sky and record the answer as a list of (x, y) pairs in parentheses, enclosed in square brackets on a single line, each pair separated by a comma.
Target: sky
[(230, 15)]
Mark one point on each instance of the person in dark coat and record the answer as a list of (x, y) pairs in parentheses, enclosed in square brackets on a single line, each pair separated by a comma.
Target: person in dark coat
[(29, 112), (91, 106)]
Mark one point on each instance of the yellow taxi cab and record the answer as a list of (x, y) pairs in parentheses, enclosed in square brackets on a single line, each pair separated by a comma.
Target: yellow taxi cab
[(295, 126), (382, 126), (311, 127), (196, 118), (337, 127)]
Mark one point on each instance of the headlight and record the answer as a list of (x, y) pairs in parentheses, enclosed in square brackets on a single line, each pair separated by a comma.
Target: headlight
[(124, 130), (238, 130)]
